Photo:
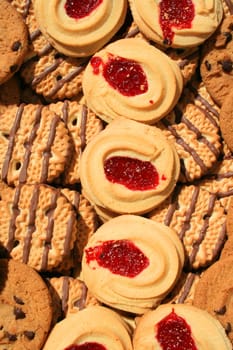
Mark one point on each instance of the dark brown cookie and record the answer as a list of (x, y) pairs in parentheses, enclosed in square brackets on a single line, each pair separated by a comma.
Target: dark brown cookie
[(216, 65), (214, 293), (225, 118), (13, 41), (25, 307)]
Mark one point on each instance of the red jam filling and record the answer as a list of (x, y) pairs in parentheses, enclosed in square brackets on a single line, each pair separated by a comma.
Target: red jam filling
[(135, 174), (81, 8), (121, 257), (86, 346), (175, 13), (173, 333), (124, 75)]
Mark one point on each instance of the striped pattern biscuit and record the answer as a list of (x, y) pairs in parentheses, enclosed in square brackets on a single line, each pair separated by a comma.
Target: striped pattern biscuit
[(199, 220), (37, 225), (34, 145)]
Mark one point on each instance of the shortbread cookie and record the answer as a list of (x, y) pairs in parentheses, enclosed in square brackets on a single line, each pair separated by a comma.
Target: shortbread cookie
[(35, 145), (25, 307), (129, 167), (216, 62), (130, 78), (86, 218), (227, 7), (196, 136), (13, 39), (80, 29), (69, 295), (94, 327), (179, 24), (225, 119), (179, 327), (198, 219), (128, 270), (38, 225), (83, 125), (213, 293)]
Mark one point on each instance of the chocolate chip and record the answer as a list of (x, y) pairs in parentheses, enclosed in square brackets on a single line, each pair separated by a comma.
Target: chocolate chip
[(18, 300), (228, 327), (11, 337), (19, 314), (221, 311), (13, 68), (227, 66), (29, 334), (208, 65), (16, 46), (228, 36)]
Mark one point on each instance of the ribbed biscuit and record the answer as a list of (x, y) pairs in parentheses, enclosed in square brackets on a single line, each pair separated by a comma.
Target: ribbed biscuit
[(198, 219), (37, 225), (25, 307), (83, 125), (34, 145), (213, 293), (13, 41)]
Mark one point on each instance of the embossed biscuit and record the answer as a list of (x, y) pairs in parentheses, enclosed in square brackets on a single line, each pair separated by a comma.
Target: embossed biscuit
[(69, 295), (216, 61), (213, 293), (199, 220), (13, 39), (38, 225), (34, 145), (25, 307), (83, 125)]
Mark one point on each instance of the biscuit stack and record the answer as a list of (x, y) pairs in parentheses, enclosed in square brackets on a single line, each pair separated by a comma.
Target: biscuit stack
[(116, 174)]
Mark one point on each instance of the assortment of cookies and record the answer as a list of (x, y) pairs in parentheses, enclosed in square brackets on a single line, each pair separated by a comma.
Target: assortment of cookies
[(116, 174)]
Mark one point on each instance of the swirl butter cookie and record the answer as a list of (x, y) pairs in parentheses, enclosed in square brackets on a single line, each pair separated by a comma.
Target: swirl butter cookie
[(38, 225), (83, 125), (128, 270), (25, 307), (178, 326), (13, 39), (213, 293), (95, 327), (77, 28), (199, 220), (130, 78), (34, 145), (177, 23), (216, 61), (129, 167)]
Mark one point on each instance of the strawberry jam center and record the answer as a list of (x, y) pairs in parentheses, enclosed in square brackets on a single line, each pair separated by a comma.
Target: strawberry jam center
[(135, 174), (86, 346), (81, 8), (175, 13), (121, 257), (173, 333), (124, 75)]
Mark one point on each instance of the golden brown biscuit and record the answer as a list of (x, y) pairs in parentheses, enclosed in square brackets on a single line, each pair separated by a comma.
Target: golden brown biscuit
[(25, 307)]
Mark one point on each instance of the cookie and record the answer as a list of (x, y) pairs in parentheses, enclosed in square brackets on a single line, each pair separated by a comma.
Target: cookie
[(129, 167), (187, 127), (132, 79), (38, 225), (25, 311), (35, 145), (225, 121), (14, 43), (83, 125), (216, 62), (228, 246), (69, 295), (84, 329), (177, 24), (77, 29), (179, 325), (199, 220), (129, 271), (213, 293)]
